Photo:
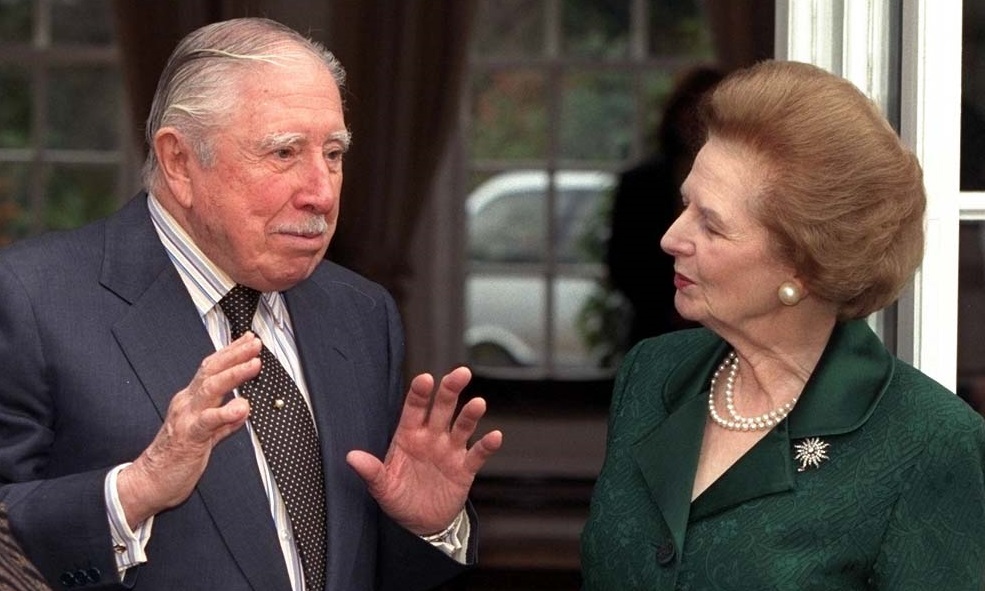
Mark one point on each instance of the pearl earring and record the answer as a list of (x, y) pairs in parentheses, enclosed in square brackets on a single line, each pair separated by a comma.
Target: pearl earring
[(789, 293)]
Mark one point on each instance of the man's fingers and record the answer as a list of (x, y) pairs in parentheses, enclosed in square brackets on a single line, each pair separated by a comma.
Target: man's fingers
[(467, 421), (369, 468), (482, 450), (446, 399), (224, 370), (418, 400), (217, 423)]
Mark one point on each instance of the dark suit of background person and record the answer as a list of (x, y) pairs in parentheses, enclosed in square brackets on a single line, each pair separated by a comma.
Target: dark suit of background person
[(98, 334), (16, 571), (647, 199), (781, 446)]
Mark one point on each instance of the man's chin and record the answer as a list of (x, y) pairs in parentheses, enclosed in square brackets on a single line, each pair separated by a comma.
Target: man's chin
[(288, 274)]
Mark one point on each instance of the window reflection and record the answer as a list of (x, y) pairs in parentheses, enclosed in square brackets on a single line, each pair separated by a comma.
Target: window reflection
[(971, 314), (973, 97), (971, 254)]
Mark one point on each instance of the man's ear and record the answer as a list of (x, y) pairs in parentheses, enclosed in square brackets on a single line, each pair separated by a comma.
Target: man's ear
[(175, 158)]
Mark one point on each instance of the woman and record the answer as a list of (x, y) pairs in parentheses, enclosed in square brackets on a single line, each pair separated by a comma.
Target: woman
[(782, 447)]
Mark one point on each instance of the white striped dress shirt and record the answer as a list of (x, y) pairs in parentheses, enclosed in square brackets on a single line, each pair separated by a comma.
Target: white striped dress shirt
[(206, 285)]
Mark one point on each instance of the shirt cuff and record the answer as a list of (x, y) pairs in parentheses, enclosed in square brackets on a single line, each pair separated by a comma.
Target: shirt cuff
[(454, 539), (128, 545)]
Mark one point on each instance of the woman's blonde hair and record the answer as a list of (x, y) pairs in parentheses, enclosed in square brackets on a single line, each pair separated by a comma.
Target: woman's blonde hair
[(844, 198)]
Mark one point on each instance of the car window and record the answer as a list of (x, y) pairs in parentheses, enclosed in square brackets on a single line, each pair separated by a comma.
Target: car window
[(577, 240), (508, 229)]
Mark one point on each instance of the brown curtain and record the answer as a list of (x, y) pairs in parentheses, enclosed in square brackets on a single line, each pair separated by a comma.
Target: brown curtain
[(405, 62), (742, 30)]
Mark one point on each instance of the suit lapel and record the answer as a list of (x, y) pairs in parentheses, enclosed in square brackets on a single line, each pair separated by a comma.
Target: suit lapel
[(839, 397), (165, 341), (326, 350), (668, 458), (764, 470)]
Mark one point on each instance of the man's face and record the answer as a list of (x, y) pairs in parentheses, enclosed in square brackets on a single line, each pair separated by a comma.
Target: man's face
[(267, 207)]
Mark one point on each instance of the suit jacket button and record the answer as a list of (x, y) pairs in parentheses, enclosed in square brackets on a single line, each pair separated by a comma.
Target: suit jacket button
[(93, 574), (81, 578), (665, 552), (67, 579)]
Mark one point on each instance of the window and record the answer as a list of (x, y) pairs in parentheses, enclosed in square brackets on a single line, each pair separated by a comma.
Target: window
[(63, 123), (971, 261), (563, 95)]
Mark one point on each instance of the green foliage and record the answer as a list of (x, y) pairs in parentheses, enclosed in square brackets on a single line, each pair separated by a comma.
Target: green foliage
[(509, 116), (15, 20), (604, 320), (597, 117), (15, 108), (78, 194)]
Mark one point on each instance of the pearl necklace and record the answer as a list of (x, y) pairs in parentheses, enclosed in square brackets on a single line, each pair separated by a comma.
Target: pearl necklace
[(738, 422)]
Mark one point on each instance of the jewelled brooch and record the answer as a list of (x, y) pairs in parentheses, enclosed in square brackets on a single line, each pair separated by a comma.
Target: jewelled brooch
[(811, 452)]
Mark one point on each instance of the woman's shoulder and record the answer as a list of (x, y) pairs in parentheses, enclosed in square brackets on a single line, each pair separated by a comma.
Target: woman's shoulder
[(675, 345), (927, 405), (654, 365)]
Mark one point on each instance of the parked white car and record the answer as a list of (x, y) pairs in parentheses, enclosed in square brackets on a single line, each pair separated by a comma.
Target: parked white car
[(509, 274)]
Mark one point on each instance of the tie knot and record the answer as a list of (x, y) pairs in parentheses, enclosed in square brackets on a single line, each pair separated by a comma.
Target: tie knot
[(239, 306)]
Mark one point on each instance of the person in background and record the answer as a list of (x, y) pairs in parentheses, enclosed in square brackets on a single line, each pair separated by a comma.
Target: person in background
[(646, 201), (145, 354), (781, 445), (16, 571)]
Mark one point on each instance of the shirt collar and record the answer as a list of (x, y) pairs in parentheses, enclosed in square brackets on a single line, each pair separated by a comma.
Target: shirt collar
[(206, 282)]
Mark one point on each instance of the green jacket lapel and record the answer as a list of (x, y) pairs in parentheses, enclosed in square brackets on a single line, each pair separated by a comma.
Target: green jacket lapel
[(668, 454), (765, 469), (847, 384), (840, 395), (668, 458)]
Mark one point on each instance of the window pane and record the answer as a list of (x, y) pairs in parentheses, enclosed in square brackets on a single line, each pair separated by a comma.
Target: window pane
[(509, 28), (596, 28), (84, 22), (971, 314), (84, 105), (509, 120), (15, 21), (15, 108), (677, 27), (973, 98), (509, 228), (77, 194), (657, 86), (15, 211), (505, 325), (581, 216), (597, 116), (505, 321), (590, 324)]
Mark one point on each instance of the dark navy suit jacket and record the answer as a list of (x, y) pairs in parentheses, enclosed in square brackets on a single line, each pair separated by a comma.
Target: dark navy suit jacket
[(98, 332)]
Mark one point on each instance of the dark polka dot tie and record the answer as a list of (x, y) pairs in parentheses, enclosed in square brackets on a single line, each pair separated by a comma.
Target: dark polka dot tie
[(284, 425)]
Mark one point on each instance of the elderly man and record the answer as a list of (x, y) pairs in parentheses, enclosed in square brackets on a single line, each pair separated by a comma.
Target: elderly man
[(192, 397)]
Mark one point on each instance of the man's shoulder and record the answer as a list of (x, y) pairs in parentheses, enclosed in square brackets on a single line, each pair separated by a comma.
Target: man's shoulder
[(72, 246), (339, 280), (56, 252)]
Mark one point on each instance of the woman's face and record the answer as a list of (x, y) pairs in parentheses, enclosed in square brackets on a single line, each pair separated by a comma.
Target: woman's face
[(726, 274)]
